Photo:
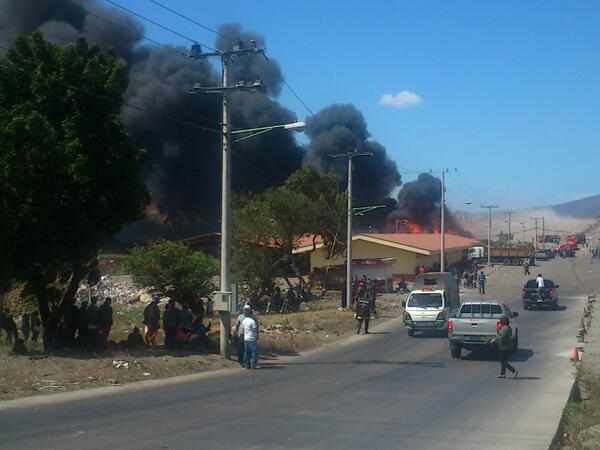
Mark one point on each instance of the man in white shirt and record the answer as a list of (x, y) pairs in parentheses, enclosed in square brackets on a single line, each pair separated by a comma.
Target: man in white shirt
[(540, 281), (249, 327)]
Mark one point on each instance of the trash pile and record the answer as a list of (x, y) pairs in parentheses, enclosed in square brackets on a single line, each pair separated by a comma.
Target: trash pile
[(279, 329), (120, 288)]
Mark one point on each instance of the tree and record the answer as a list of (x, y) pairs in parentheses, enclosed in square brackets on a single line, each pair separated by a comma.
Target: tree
[(267, 226), (68, 171), (171, 269)]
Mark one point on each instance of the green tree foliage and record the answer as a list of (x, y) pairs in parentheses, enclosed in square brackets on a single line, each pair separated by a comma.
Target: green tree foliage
[(68, 171), (267, 226), (172, 269)]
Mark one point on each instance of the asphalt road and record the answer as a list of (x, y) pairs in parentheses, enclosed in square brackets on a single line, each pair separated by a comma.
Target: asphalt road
[(383, 391)]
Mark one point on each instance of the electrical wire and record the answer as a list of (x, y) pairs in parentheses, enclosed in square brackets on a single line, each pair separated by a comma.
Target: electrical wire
[(183, 16), (158, 24), (190, 19), (298, 97), (137, 107)]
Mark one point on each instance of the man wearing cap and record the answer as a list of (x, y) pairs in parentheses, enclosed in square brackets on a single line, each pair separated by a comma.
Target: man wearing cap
[(249, 327), (152, 320)]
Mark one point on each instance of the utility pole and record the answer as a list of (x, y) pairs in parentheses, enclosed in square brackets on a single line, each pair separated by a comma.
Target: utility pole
[(544, 232), (523, 231), (350, 155), (509, 213), (535, 242), (225, 272), (489, 246), (443, 225)]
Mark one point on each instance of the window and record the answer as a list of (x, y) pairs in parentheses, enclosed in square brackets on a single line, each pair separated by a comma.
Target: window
[(491, 310), (425, 301)]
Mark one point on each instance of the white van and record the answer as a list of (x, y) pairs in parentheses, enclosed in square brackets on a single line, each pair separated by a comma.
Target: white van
[(433, 300)]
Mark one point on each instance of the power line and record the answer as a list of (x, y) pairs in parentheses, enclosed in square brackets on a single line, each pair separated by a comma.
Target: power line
[(158, 24), (190, 19), (298, 97), (139, 35), (145, 109)]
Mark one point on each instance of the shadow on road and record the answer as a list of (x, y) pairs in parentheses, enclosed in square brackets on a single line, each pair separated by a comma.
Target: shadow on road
[(430, 335), (559, 308), (379, 332), (522, 355), (358, 362)]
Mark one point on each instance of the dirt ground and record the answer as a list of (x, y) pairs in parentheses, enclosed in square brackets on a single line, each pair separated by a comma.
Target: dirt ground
[(38, 373)]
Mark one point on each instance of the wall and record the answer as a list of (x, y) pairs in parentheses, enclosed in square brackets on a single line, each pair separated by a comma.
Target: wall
[(405, 260)]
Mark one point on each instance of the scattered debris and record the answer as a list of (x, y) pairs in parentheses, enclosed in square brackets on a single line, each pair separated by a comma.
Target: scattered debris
[(120, 363)]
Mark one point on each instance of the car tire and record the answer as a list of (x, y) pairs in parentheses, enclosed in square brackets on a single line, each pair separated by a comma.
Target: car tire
[(455, 350), (411, 332), (555, 306)]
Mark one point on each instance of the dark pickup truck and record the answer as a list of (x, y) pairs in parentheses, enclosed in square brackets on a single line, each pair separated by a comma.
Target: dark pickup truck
[(540, 297)]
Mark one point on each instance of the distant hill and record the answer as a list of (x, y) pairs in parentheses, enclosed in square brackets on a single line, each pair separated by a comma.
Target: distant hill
[(582, 209)]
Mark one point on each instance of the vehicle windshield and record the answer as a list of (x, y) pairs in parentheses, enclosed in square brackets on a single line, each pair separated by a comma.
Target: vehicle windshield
[(481, 309), (432, 300)]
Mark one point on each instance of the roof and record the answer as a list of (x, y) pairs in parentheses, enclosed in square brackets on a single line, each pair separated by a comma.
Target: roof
[(423, 243)]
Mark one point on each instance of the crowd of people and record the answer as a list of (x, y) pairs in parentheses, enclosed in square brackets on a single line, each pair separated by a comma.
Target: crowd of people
[(182, 328)]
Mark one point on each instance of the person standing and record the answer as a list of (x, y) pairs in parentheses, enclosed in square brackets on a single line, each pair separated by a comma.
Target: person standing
[(36, 324), (504, 342), (186, 318), (25, 326), (71, 319), (482, 279), (541, 284), (526, 268), (93, 330), (363, 314), (82, 325), (152, 320), (105, 320), (170, 324), (239, 335), (250, 329)]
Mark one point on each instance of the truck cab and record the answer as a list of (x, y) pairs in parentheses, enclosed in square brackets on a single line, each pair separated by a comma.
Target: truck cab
[(433, 300)]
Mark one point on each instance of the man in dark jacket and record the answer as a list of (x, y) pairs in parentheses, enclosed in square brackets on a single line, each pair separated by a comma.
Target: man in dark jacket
[(105, 320), (71, 320), (152, 320), (363, 313), (170, 324), (504, 342), (93, 331), (82, 325)]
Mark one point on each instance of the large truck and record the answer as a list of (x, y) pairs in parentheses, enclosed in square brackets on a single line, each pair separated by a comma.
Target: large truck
[(509, 256)]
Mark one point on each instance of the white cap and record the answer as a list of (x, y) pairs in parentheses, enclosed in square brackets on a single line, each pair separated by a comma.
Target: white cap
[(247, 307)]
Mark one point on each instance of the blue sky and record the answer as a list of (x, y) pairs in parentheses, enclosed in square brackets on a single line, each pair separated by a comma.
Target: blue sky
[(510, 91)]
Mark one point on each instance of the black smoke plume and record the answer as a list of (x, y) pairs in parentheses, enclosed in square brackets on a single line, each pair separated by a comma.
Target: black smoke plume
[(419, 203), (342, 128), (183, 168)]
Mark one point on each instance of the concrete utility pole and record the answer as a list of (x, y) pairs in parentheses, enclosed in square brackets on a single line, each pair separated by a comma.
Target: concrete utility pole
[(443, 225), (489, 245), (509, 214), (535, 242), (350, 155), (544, 232), (224, 89)]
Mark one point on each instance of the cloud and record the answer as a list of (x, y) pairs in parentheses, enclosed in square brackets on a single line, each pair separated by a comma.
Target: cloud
[(403, 99)]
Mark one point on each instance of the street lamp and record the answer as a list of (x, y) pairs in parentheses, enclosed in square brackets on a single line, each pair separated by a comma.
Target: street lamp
[(226, 221), (298, 126)]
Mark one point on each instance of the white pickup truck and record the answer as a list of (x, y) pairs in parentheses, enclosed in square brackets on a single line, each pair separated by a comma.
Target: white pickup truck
[(477, 323)]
